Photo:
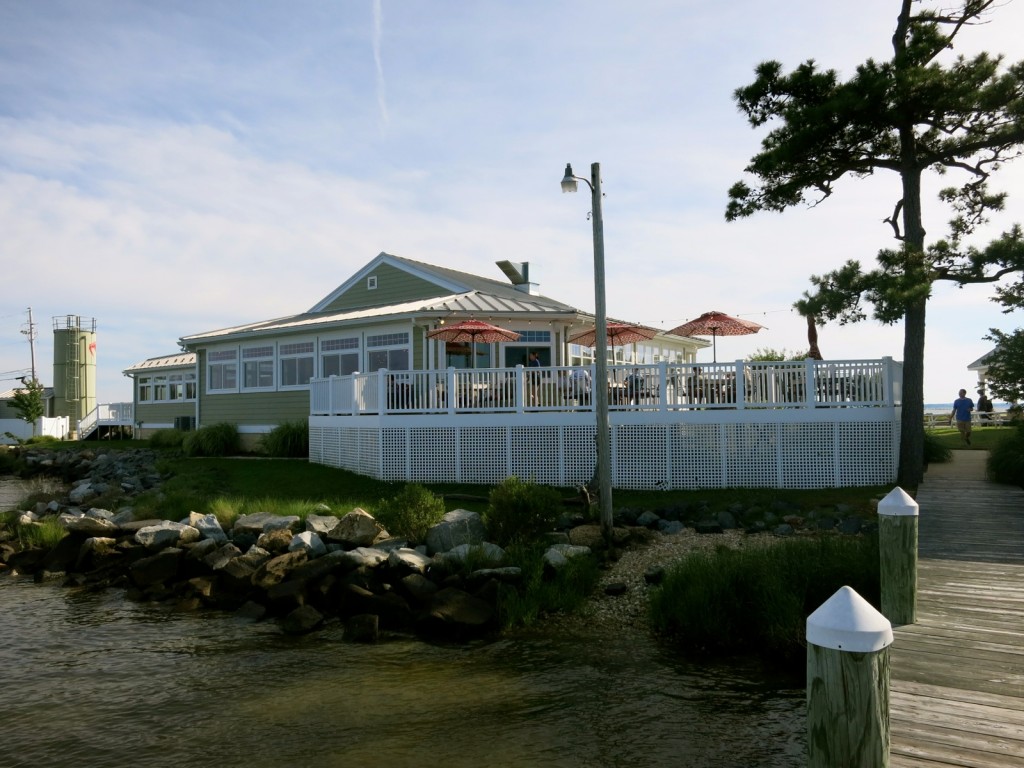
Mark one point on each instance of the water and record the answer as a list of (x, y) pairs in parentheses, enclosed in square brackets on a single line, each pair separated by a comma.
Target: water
[(92, 680)]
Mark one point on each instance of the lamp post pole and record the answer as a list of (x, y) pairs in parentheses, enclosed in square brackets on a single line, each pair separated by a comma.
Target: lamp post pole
[(600, 388)]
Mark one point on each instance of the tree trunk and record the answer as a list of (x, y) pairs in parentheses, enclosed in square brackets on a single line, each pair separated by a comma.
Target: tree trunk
[(911, 470)]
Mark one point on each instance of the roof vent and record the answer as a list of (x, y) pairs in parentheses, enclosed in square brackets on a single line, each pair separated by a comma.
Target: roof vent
[(518, 272)]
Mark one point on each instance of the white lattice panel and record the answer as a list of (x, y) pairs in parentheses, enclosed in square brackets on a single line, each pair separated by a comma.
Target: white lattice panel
[(369, 441), (750, 455), (535, 454), (696, 456), (394, 463), (641, 456), (433, 454), (865, 452), (807, 455), (484, 452), (579, 454)]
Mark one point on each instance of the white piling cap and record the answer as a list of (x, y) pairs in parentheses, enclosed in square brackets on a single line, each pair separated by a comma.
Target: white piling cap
[(848, 622), (898, 502)]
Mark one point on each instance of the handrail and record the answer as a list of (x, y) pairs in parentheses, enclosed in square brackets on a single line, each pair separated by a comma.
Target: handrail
[(654, 387)]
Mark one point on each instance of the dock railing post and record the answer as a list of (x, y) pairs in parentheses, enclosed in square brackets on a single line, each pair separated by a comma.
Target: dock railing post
[(897, 554), (847, 683)]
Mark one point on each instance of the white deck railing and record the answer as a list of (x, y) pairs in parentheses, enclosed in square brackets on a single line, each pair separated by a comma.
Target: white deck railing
[(660, 387), (106, 414)]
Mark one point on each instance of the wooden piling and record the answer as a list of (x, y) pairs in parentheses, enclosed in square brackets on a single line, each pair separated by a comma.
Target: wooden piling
[(897, 550), (847, 684)]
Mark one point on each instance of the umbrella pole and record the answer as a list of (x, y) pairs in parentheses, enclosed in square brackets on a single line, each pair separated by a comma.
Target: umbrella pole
[(714, 345)]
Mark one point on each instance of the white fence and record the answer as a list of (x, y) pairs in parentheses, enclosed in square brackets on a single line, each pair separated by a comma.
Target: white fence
[(789, 425), (659, 387), (22, 430)]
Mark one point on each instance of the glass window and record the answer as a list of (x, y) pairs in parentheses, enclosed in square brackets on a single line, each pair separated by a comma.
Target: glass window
[(339, 357), (222, 370), (258, 367), (145, 389), (388, 350), (296, 363)]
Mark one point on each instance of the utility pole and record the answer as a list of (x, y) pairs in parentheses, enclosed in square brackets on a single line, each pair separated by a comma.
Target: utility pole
[(31, 333)]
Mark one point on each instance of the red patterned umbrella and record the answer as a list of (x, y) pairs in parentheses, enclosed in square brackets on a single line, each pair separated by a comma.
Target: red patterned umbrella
[(619, 334), (715, 324), (472, 332)]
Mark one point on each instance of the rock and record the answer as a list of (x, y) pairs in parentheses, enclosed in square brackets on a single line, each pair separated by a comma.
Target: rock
[(321, 525), (851, 525), (302, 620), (726, 520), (616, 589), (361, 557), (408, 561), (95, 550), (277, 569), (166, 533), (456, 611), (460, 526), (81, 493), (358, 529), (670, 527), (91, 526), (707, 526), (156, 569), (654, 575), (307, 542), (362, 628), (217, 559), (209, 526), (647, 519), (419, 588), (485, 555), (276, 541), (251, 524)]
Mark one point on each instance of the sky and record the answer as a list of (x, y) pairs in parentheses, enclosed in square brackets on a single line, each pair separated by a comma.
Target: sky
[(170, 168)]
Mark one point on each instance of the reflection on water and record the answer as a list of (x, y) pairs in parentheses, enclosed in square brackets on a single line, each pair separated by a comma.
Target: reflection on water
[(94, 680)]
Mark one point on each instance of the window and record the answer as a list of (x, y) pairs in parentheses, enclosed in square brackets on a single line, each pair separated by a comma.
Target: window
[(258, 367), (388, 350), (339, 357), (296, 363), (222, 370), (167, 388), (371, 283)]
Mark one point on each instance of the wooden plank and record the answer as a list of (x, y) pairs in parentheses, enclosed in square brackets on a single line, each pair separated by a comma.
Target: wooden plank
[(957, 684)]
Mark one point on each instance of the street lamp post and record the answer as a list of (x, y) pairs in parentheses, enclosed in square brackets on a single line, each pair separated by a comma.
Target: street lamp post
[(600, 388)]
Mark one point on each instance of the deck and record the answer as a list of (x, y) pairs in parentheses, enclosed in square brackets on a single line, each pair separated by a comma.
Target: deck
[(957, 675)]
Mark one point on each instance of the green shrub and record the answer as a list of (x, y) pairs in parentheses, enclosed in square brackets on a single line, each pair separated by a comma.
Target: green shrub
[(1006, 458), (935, 451), (541, 591), (288, 440), (756, 599), (411, 512), (44, 534), (518, 511), (167, 438), (215, 440)]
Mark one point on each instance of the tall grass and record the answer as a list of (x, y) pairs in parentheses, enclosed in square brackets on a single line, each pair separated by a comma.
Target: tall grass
[(756, 599), (1006, 460), (289, 440), (542, 591), (215, 440)]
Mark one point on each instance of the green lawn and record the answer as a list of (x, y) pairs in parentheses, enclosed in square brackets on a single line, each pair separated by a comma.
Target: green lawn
[(982, 438)]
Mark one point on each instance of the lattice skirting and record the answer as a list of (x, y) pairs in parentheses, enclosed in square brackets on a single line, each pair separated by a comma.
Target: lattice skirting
[(668, 456)]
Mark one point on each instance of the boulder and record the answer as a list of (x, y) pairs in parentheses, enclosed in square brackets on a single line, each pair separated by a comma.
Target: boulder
[(302, 620), (95, 551), (408, 561), (166, 533), (217, 559), (156, 569), (209, 526), (307, 542), (321, 525), (277, 569), (358, 529), (88, 525), (276, 541), (362, 557), (460, 526), (457, 612), (485, 555), (251, 524)]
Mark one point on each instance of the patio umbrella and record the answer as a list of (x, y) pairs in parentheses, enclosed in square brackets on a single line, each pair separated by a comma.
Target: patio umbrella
[(715, 324), (472, 332), (619, 334)]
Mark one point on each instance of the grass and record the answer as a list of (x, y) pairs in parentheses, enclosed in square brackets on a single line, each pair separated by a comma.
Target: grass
[(756, 599), (982, 438)]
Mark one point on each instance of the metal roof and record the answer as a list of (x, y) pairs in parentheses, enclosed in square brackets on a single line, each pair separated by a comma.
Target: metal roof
[(178, 360)]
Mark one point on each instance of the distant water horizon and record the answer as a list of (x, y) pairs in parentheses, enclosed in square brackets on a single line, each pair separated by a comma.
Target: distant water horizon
[(947, 407)]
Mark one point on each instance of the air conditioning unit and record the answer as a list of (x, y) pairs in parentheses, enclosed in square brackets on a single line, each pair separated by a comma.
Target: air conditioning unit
[(185, 423)]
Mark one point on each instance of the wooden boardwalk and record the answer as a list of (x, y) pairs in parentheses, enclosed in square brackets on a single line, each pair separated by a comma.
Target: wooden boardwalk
[(957, 675)]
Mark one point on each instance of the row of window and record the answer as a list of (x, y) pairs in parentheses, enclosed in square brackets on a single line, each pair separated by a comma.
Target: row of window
[(293, 364), (167, 387)]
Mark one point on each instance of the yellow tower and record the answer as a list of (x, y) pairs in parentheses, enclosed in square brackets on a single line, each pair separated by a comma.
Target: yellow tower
[(74, 368)]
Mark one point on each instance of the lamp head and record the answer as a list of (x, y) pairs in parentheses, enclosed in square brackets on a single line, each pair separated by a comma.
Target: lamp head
[(568, 181)]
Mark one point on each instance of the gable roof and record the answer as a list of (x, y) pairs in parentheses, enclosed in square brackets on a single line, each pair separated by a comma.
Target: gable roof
[(449, 281), (457, 292)]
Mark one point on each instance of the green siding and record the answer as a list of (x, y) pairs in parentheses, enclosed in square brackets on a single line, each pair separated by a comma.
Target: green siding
[(394, 286), (163, 413), (255, 408)]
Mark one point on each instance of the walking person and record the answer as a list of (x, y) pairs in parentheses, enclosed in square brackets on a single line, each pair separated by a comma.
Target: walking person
[(961, 412)]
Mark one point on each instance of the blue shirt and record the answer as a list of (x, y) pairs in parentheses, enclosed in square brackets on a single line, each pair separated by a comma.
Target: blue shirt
[(962, 408)]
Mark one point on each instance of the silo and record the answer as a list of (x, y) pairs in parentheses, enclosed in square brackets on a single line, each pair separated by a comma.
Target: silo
[(74, 368)]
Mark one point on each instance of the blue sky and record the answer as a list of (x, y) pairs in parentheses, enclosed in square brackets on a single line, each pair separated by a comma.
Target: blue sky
[(172, 168)]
